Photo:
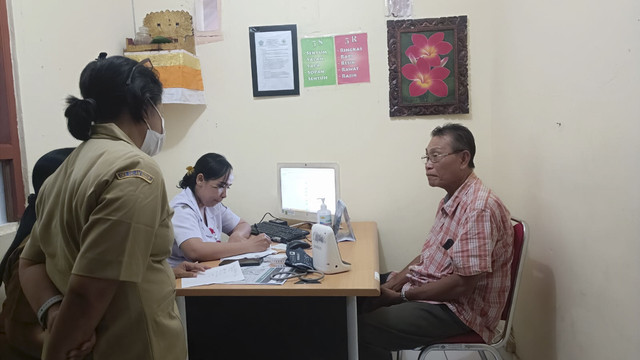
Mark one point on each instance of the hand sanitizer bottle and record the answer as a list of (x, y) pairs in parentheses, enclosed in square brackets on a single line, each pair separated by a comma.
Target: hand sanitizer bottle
[(324, 215)]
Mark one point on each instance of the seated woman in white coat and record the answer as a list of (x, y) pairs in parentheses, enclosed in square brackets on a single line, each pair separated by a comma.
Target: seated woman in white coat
[(200, 218)]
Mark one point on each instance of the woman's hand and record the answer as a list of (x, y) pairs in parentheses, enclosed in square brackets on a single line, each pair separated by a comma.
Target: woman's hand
[(188, 269), (83, 350), (258, 243)]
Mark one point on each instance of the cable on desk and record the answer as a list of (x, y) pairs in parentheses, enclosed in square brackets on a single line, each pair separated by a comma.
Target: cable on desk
[(268, 213), (306, 276), (277, 218)]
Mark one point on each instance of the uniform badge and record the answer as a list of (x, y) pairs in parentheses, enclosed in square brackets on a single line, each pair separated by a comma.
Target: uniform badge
[(135, 173)]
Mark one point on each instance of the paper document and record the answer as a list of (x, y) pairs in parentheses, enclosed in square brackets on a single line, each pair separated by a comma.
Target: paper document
[(279, 247), (254, 255), (274, 60), (261, 275), (217, 275)]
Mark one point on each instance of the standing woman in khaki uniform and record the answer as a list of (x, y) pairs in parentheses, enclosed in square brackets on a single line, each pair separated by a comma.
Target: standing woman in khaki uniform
[(95, 268)]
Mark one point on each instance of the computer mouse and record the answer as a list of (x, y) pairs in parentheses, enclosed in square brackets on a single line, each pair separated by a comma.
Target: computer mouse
[(297, 244)]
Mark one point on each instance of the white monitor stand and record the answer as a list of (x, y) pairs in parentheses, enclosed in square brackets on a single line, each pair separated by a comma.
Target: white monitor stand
[(341, 211), (326, 255)]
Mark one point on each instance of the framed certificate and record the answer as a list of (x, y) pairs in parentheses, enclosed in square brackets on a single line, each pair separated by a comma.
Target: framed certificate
[(274, 60)]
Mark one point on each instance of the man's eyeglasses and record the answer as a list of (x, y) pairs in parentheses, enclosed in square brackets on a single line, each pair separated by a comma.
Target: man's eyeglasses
[(435, 158), (144, 62)]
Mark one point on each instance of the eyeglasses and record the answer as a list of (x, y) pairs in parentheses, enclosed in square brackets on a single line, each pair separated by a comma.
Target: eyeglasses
[(435, 158), (221, 187), (144, 62)]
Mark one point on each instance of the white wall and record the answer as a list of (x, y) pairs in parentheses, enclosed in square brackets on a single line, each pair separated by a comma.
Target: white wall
[(381, 173), (565, 90), (532, 65), (52, 42)]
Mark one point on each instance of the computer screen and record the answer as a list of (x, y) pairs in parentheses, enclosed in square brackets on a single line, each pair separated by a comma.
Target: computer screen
[(301, 185)]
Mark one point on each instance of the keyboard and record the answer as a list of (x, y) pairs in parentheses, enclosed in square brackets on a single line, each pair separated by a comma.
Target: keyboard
[(279, 233)]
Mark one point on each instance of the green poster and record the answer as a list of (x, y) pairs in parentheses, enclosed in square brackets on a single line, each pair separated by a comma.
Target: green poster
[(318, 61)]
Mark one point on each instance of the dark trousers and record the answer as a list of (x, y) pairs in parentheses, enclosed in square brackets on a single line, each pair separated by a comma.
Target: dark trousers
[(403, 326)]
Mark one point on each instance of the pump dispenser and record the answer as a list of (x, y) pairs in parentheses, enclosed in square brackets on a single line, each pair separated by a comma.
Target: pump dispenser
[(324, 215)]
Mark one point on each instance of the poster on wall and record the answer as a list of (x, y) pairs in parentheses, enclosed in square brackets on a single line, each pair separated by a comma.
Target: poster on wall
[(206, 21), (274, 60), (352, 58), (318, 61), (428, 66)]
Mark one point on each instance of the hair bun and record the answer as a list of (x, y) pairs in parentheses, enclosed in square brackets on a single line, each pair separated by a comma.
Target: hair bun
[(80, 114)]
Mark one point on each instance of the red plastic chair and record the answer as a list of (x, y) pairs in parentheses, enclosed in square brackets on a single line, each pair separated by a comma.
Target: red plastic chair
[(472, 341)]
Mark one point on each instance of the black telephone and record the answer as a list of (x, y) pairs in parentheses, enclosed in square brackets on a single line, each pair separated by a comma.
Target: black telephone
[(297, 257)]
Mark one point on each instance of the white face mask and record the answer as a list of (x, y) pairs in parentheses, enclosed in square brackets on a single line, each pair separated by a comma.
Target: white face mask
[(153, 141)]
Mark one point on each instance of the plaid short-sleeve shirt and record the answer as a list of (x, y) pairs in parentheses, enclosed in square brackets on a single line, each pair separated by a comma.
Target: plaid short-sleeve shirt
[(478, 226)]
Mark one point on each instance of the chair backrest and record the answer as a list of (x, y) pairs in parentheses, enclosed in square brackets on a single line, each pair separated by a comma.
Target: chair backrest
[(520, 240)]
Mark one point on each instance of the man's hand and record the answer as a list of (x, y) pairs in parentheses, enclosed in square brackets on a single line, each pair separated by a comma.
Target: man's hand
[(188, 269), (387, 297), (394, 282)]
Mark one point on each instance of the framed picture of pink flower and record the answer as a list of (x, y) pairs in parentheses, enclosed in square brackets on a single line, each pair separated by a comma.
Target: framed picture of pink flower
[(428, 66)]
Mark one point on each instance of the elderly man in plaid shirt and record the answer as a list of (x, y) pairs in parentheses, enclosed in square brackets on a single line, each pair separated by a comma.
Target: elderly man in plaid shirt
[(461, 279)]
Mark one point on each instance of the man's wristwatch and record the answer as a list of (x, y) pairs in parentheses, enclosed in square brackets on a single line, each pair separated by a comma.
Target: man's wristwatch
[(403, 295)]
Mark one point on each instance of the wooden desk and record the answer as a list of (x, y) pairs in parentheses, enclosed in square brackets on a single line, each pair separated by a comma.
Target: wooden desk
[(362, 280)]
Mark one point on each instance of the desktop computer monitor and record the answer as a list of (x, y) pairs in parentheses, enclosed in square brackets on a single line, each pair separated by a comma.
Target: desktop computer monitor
[(301, 185)]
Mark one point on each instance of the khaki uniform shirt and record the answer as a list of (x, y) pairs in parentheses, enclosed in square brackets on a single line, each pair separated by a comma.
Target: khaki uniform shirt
[(105, 214)]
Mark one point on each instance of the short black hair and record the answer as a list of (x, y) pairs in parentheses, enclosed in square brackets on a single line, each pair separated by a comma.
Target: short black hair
[(461, 139)]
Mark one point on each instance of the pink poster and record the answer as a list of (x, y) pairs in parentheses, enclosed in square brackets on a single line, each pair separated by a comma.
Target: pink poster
[(352, 58)]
